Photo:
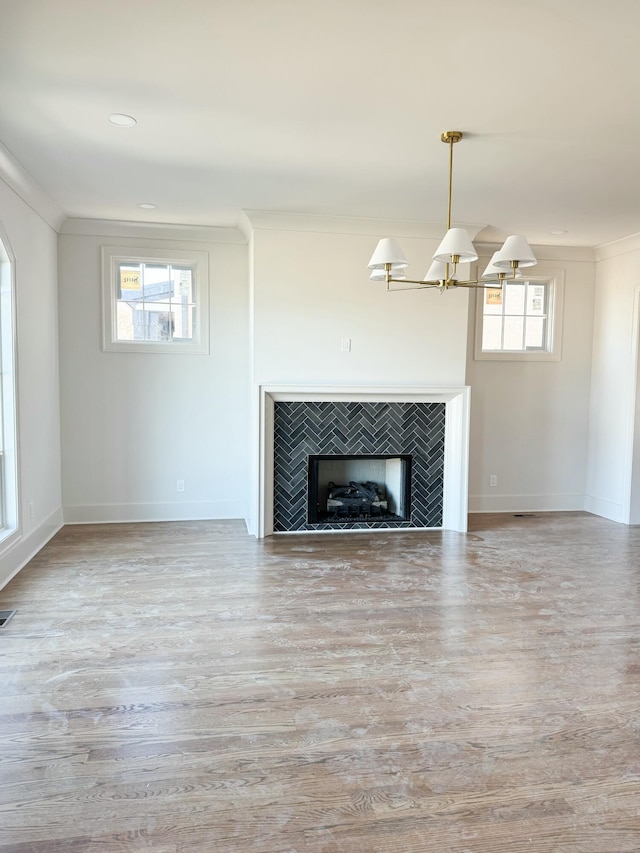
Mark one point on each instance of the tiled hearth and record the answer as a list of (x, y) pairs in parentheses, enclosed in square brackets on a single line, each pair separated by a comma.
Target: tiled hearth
[(429, 423), (304, 428)]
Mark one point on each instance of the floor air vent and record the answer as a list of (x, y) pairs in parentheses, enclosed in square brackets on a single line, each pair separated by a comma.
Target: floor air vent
[(5, 615)]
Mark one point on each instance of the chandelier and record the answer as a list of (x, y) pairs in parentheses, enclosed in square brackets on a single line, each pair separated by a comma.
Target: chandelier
[(388, 261)]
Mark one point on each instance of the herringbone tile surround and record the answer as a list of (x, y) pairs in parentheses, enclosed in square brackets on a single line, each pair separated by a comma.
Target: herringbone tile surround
[(303, 428)]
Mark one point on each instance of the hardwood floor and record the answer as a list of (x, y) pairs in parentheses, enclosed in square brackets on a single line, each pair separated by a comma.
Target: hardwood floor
[(183, 687)]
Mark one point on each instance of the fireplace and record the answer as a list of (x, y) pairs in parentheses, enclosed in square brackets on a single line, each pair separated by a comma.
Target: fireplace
[(363, 487), (294, 422), (355, 428)]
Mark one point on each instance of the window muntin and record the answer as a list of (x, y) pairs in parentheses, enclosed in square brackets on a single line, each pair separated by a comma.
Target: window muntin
[(522, 321), (155, 303)]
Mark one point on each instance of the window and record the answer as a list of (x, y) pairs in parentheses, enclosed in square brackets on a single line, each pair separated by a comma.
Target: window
[(521, 321), (8, 454), (155, 303)]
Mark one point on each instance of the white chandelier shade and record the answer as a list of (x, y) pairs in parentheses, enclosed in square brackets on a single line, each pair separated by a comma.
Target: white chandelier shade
[(437, 271), (493, 271), (455, 248), (456, 242), (381, 274), (515, 249), (388, 252)]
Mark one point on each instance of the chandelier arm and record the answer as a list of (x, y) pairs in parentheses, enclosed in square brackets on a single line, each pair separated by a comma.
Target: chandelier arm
[(404, 281), (420, 285), (491, 283), (481, 285), (444, 284), (487, 285)]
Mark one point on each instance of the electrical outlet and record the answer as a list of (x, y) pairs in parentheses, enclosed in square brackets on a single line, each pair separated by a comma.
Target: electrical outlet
[(493, 480), (179, 485), (345, 345)]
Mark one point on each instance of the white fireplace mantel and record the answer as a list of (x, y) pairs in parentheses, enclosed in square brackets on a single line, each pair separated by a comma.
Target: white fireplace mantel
[(456, 442)]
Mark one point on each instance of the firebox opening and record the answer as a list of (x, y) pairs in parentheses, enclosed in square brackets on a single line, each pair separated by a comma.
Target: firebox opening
[(366, 487)]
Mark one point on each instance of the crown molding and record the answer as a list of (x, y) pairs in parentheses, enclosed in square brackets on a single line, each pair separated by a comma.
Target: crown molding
[(152, 231), (267, 220), (618, 247), (545, 253), (20, 181)]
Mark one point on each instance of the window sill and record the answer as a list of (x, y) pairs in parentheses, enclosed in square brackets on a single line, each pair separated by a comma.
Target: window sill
[(517, 356)]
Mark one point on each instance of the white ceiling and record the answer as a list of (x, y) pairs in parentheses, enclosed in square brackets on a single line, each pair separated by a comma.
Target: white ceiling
[(331, 107)]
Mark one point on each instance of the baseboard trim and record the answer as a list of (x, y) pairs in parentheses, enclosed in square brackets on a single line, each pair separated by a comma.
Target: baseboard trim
[(26, 547), (526, 503), (606, 509), (140, 512)]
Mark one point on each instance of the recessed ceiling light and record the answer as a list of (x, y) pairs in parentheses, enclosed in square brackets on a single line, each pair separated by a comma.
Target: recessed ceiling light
[(559, 231), (122, 120), (146, 205)]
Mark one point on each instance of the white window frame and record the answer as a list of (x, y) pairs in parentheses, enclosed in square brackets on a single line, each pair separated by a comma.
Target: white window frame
[(9, 504), (553, 350), (113, 256)]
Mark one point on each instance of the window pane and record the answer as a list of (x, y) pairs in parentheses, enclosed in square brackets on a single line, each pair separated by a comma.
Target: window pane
[(513, 333), (124, 321), (182, 278), (184, 316), (536, 299), (152, 325), (160, 325), (130, 281), (493, 299), (154, 273), (514, 299), (492, 333), (139, 318), (534, 338), (157, 282)]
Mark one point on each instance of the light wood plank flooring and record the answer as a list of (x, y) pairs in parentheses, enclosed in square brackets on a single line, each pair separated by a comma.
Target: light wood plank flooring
[(183, 687)]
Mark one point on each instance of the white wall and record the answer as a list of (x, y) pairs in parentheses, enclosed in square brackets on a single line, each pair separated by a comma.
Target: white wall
[(613, 386), (135, 423), (311, 289), (529, 420), (33, 244)]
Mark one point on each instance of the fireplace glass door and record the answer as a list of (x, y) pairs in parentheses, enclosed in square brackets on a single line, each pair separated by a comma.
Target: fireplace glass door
[(361, 487)]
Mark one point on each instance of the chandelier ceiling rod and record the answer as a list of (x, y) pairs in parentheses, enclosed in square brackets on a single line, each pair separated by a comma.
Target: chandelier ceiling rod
[(388, 261), (450, 136)]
